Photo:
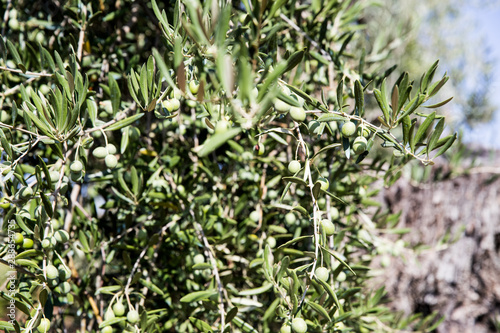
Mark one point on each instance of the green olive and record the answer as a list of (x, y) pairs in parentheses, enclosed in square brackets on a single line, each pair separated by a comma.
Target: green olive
[(262, 149), (44, 326), (118, 309), (133, 317), (255, 216), (76, 166), (27, 243), (54, 176), (111, 148), (272, 242), (25, 192), (359, 145), (299, 325), (286, 329), (348, 129), (107, 329), (199, 259), (194, 87), (100, 152), (76, 176), (290, 218), (328, 227), (109, 314), (322, 273), (111, 161), (325, 184), (281, 107), (51, 272), (61, 236), (341, 277), (64, 273), (4, 203), (222, 126), (18, 238), (297, 114), (294, 166)]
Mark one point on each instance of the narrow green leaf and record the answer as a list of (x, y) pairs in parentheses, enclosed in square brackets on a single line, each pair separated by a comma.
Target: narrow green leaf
[(438, 130), (359, 97), (428, 77), (143, 83), (293, 241), (446, 146), (83, 240), (198, 296), (330, 292), (438, 104), (46, 204), (319, 309), (395, 100), (295, 180), (124, 122), (4, 49), (92, 110), (201, 325), (48, 59), (437, 86), (330, 117), (216, 141), (340, 94), (256, 291), (151, 286), (336, 256), (412, 106), (243, 325), (115, 94), (423, 128), (15, 55)]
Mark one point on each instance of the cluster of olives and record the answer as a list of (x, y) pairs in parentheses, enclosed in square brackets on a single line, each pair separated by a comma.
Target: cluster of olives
[(298, 114), (118, 310), (360, 143), (24, 242), (57, 278), (108, 154)]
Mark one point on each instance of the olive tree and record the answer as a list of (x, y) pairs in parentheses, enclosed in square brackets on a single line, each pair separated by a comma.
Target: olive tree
[(203, 166)]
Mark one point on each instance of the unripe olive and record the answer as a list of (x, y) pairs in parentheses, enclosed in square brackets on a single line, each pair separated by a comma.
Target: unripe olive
[(51, 272), (133, 317), (100, 152), (61, 236), (359, 145), (176, 93), (199, 259), (272, 242), (299, 325), (222, 126), (18, 238), (341, 277), (290, 218), (328, 227), (14, 24), (111, 148), (321, 203), (44, 326), (322, 273), (286, 329), (76, 176), (255, 216), (111, 161), (76, 166), (348, 129), (294, 166), (64, 288), (4, 203), (262, 149), (281, 107), (194, 86), (107, 329), (27, 243), (46, 244), (25, 192), (325, 184), (297, 114), (64, 273), (54, 176), (109, 314), (334, 213), (118, 309)]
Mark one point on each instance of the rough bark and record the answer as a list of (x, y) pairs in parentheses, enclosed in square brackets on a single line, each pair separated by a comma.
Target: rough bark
[(459, 278)]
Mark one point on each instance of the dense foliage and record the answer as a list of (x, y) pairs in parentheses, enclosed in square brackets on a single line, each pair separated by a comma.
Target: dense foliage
[(192, 166)]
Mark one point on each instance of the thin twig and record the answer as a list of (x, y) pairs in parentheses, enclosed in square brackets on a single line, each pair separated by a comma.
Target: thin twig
[(27, 73)]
